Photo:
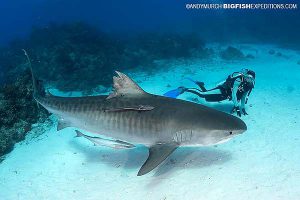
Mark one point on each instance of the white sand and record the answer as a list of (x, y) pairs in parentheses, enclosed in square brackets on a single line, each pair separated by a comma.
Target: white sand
[(264, 163)]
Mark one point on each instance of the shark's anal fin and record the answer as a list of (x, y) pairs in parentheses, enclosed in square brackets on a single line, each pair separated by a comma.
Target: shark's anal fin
[(130, 108), (124, 86), (116, 144), (157, 154), (62, 124)]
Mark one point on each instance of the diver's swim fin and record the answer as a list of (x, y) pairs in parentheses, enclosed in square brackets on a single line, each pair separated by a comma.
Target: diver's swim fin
[(199, 83), (188, 78), (175, 93)]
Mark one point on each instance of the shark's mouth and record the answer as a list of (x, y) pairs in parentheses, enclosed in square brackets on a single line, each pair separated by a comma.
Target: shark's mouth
[(223, 141)]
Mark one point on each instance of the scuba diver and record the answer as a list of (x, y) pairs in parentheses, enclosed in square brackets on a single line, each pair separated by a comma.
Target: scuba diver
[(237, 88)]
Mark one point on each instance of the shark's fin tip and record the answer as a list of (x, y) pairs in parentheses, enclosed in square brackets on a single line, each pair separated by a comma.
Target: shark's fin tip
[(157, 154), (78, 133), (123, 85), (62, 124)]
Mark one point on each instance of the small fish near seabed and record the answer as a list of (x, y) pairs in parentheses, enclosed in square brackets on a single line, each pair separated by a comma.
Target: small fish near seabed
[(132, 116)]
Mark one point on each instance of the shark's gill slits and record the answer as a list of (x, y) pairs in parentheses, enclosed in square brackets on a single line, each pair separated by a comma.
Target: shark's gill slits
[(191, 135), (175, 138)]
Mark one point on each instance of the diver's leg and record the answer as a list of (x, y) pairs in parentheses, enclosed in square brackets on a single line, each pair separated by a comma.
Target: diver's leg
[(215, 97), (203, 89), (201, 86), (209, 97)]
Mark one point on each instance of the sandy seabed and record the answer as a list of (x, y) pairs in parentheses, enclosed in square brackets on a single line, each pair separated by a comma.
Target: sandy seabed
[(263, 163)]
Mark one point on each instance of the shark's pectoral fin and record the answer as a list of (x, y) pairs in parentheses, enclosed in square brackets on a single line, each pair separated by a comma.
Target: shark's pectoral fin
[(157, 154), (124, 86), (63, 124)]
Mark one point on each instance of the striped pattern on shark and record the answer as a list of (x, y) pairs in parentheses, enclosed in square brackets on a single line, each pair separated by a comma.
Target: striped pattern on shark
[(132, 116)]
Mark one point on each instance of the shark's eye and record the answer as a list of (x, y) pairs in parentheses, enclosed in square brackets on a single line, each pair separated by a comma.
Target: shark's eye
[(230, 133)]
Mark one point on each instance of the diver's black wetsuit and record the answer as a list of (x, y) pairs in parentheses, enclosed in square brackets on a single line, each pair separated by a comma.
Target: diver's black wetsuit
[(234, 88), (237, 87), (209, 97)]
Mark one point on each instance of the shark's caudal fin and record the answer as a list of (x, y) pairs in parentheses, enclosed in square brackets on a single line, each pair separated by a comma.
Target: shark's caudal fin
[(124, 86), (38, 89)]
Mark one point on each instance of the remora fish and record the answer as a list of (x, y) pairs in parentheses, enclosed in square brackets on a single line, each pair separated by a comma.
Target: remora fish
[(133, 116), (116, 144)]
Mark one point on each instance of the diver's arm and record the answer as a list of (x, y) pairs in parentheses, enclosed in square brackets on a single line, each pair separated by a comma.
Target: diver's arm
[(234, 97), (234, 92), (243, 102)]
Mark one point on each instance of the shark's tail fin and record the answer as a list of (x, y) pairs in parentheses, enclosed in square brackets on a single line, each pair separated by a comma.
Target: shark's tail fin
[(38, 88)]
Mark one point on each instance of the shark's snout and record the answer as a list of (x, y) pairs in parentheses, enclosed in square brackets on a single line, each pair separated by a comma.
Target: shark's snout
[(240, 127), (234, 126), (243, 126)]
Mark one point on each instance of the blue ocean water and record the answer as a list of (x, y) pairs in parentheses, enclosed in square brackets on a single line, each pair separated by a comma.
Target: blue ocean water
[(18, 17), (76, 46)]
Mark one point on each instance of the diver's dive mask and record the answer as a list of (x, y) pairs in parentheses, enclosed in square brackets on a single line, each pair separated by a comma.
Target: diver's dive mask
[(249, 72), (249, 79)]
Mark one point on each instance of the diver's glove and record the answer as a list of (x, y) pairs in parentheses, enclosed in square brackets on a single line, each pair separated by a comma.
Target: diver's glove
[(244, 111), (237, 110)]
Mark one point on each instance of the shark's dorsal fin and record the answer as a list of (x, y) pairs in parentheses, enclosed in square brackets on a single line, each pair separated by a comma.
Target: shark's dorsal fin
[(157, 154), (123, 86)]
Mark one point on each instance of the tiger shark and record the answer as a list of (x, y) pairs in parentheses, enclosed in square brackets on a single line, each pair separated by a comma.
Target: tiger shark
[(130, 116)]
